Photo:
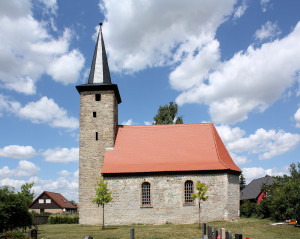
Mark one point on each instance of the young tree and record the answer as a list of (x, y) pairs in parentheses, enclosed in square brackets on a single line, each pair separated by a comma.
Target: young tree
[(242, 182), (167, 114), (103, 196), (200, 195)]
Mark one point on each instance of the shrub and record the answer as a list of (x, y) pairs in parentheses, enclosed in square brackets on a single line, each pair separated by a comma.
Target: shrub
[(15, 235), (248, 209), (64, 219)]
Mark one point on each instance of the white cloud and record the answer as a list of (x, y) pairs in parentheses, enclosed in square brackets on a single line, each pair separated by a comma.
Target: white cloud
[(258, 172), (264, 4), (240, 10), (297, 118), (47, 111), (177, 25), (128, 122), (8, 105), (51, 5), (28, 50), (229, 134), (148, 122), (266, 144), (66, 68), (24, 169), (239, 160), (267, 31), (259, 76), (61, 155), (66, 184), (17, 152)]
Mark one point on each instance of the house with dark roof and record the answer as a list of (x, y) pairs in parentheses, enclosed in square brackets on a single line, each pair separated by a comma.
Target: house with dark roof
[(152, 170), (51, 202), (253, 191)]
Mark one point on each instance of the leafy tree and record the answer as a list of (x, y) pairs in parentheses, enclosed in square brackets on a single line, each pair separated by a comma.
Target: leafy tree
[(282, 199), (73, 203), (167, 114), (13, 209), (103, 195), (200, 195), (242, 182), (26, 193)]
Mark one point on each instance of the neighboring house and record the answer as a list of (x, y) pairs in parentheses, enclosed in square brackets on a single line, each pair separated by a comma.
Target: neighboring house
[(152, 170), (51, 202), (253, 190)]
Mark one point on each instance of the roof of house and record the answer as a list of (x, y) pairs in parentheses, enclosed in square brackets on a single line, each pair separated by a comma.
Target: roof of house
[(253, 189), (167, 148), (59, 199)]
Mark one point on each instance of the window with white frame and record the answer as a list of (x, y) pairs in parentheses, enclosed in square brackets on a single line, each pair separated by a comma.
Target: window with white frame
[(146, 194), (41, 200), (188, 191), (48, 200)]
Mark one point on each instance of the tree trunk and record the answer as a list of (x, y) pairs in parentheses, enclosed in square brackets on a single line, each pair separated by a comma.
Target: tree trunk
[(103, 217), (199, 215)]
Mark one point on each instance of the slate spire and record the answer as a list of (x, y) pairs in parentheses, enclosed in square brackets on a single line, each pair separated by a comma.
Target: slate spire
[(99, 73)]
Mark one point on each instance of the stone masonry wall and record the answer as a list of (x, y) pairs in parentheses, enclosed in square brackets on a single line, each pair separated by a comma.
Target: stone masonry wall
[(91, 151), (233, 202), (167, 197)]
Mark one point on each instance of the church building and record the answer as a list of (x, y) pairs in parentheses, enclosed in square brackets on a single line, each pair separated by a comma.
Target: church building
[(152, 170)]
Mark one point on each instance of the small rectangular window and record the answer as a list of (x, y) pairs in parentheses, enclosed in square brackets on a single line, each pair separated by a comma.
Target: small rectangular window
[(48, 200), (41, 200), (94, 114), (146, 195), (97, 97), (96, 135)]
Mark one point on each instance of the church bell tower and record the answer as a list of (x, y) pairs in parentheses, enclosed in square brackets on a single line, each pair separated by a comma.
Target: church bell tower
[(99, 101)]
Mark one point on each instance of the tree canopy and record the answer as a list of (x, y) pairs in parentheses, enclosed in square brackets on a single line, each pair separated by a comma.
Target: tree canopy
[(242, 182), (282, 198), (14, 207), (167, 114)]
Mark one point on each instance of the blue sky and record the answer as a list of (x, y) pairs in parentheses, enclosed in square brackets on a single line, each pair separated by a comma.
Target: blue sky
[(233, 63)]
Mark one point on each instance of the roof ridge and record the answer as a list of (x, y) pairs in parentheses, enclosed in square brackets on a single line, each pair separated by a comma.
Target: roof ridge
[(165, 125)]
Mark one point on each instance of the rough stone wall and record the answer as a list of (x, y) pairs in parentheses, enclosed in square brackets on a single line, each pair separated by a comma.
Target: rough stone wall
[(167, 197), (233, 202), (91, 151)]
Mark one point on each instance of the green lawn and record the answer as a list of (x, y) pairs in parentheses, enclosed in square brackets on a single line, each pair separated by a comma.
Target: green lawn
[(250, 227)]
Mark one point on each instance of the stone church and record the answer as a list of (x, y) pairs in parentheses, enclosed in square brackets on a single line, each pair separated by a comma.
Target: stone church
[(150, 169)]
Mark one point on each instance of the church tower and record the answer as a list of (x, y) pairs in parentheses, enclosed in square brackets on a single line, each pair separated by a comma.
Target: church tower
[(99, 101)]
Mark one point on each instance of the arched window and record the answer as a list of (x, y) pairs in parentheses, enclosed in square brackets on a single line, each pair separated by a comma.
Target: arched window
[(188, 191), (146, 194)]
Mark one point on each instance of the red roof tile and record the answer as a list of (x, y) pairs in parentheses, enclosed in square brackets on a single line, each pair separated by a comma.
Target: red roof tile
[(59, 199), (167, 148)]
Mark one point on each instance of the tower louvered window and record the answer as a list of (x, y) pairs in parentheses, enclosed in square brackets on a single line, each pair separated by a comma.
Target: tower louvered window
[(188, 191), (146, 194)]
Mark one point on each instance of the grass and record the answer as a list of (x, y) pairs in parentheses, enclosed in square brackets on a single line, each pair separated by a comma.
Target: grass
[(250, 227)]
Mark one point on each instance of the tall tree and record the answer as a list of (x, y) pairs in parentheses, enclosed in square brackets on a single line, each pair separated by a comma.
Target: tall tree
[(26, 193), (14, 208), (242, 182), (200, 195), (103, 196), (167, 114)]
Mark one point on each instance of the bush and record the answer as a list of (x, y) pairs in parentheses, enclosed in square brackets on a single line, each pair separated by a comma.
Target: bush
[(14, 235), (248, 208), (64, 219)]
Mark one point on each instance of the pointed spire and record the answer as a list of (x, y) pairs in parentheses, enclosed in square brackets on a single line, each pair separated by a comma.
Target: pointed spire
[(99, 73)]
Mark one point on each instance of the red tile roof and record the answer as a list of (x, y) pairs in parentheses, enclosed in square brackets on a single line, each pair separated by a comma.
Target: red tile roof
[(167, 148), (59, 199)]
